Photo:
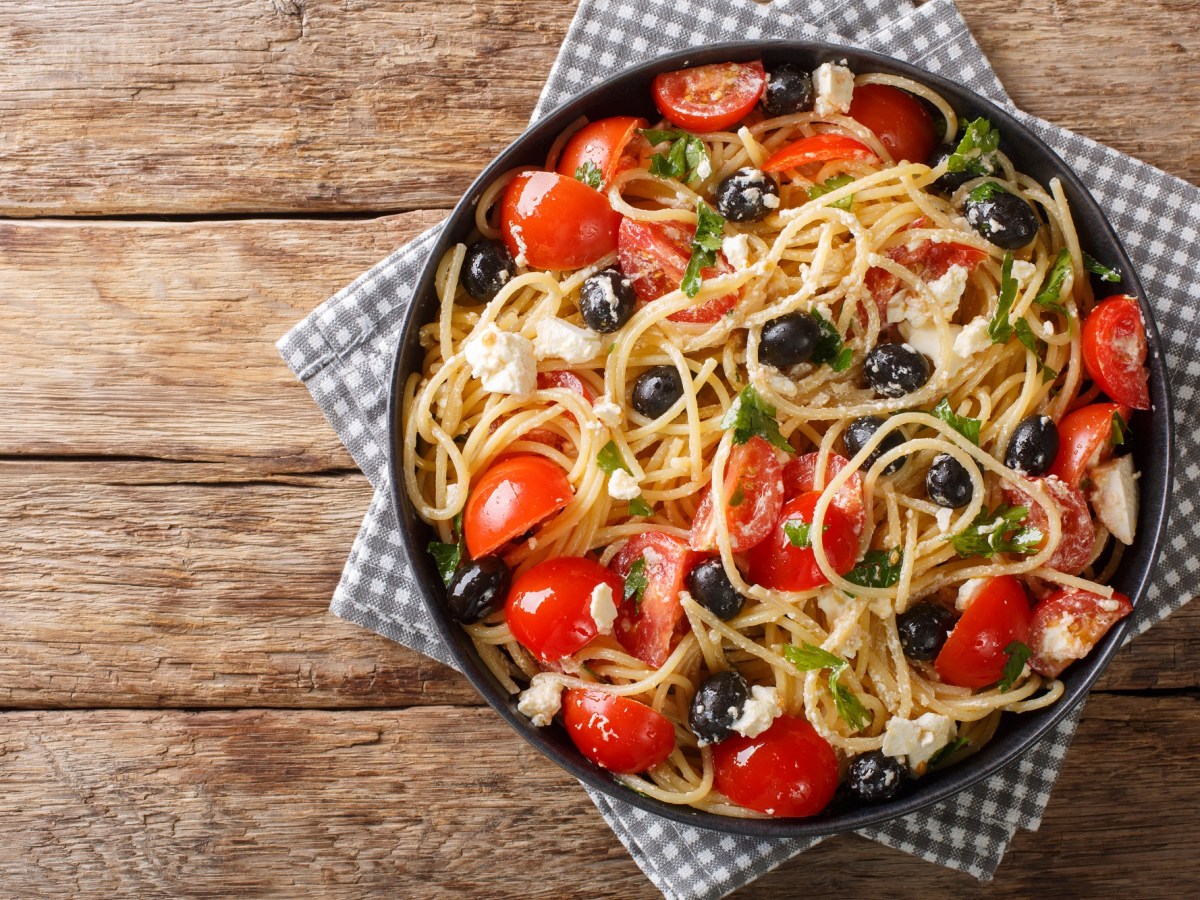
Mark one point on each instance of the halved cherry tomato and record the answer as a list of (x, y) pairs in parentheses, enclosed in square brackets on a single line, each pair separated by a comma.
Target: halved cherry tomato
[(512, 496), (927, 260), (654, 257), (818, 148), (603, 144), (973, 656), (549, 607), (709, 98), (1084, 439), (556, 222), (777, 563), (800, 477), (649, 629), (617, 733), (899, 120), (1068, 624), (1114, 351), (788, 770), (1078, 530), (752, 496)]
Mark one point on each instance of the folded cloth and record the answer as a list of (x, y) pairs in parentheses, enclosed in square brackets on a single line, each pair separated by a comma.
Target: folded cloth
[(343, 351)]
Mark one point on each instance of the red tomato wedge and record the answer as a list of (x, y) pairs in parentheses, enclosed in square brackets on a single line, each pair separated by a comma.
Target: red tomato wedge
[(1084, 439), (617, 733), (512, 496), (1114, 351), (789, 770), (927, 260), (899, 120), (818, 148), (752, 496), (603, 144), (973, 656), (654, 257), (649, 629), (777, 563), (556, 222), (709, 98), (1078, 529), (800, 477), (549, 607), (1068, 624)]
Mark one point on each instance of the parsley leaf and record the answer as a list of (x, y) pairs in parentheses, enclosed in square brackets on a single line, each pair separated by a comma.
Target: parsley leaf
[(1096, 267), (808, 658), (986, 191), (964, 425), (832, 184), (797, 533), (609, 459), (976, 151), (1018, 653), (658, 136), (589, 173), (1050, 295), (1000, 329), (639, 507), (636, 581), (739, 496), (710, 231), (685, 158), (1118, 429), (447, 557), (946, 752), (830, 347), (751, 415), (876, 569), (1036, 347), (998, 531)]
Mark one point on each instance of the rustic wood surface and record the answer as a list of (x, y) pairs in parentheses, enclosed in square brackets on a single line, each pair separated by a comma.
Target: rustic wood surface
[(179, 715)]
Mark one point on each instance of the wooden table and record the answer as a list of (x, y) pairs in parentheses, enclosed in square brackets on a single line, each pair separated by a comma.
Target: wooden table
[(183, 181)]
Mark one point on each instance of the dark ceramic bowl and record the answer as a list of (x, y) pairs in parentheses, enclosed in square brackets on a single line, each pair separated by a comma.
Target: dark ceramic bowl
[(628, 93)]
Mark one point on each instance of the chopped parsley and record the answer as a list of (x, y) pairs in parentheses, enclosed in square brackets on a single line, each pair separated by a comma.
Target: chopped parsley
[(609, 459), (448, 557), (639, 507), (830, 349), (1050, 294), (710, 231), (797, 533), (751, 415), (832, 184), (636, 581), (1000, 329), (1118, 429), (1035, 346), (964, 425), (946, 752), (589, 173), (998, 531), (808, 658), (1018, 653), (876, 569), (986, 191), (976, 151), (1096, 267), (685, 158)]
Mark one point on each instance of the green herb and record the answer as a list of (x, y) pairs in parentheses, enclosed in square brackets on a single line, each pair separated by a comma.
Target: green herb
[(1000, 329), (976, 152), (639, 507), (876, 569), (797, 533), (986, 191), (739, 496), (808, 658), (636, 581), (658, 136), (751, 415), (589, 670), (1035, 346), (1118, 429), (1050, 294), (710, 231), (830, 349), (998, 531), (1096, 267), (684, 159), (1018, 653), (967, 427), (609, 459), (589, 174), (449, 556), (832, 184), (946, 752)]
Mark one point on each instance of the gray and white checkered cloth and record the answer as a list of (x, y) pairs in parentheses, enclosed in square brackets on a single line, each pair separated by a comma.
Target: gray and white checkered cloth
[(343, 353)]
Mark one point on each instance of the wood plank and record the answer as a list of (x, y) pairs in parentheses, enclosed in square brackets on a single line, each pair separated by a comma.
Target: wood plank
[(441, 802)]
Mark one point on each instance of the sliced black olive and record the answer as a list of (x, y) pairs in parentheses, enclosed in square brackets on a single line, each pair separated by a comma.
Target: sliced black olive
[(607, 301), (718, 703), (875, 776), (859, 431), (743, 196), (1033, 446), (893, 370), (487, 267), (710, 587), (656, 391), (947, 483), (951, 181), (788, 340), (478, 589), (1002, 218), (924, 629), (789, 90)]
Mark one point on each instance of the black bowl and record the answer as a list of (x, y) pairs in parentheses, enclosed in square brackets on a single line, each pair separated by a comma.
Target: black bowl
[(628, 93)]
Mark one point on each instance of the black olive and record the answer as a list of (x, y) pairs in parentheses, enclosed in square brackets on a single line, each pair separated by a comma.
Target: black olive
[(947, 483), (788, 340), (924, 629), (859, 431), (1002, 218), (1033, 446), (607, 301), (718, 703), (789, 90), (742, 197), (894, 370), (952, 181), (656, 391), (875, 776), (478, 589), (710, 587), (488, 266)]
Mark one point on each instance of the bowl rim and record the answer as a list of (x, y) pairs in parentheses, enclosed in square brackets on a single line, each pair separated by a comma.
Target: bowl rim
[(932, 788)]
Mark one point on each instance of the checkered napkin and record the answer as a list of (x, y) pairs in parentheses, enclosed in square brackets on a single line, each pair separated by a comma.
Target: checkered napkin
[(343, 352)]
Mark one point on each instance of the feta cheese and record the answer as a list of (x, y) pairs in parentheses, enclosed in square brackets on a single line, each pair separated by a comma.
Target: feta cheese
[(1109, 605), (542, 699), (761, 709), (771, 201), (832, 604), (782, 385), (1023, 271), (1060, 643), (602, 609), (917, 740), (926, 340), (608, 412), (562, 340), (502, 361), (736, 248), (1048, 328), (623, 486), (943, 519), (967, 592), (835, 89), (973, 339), (947, 291), (1114, 496), (519, 238)]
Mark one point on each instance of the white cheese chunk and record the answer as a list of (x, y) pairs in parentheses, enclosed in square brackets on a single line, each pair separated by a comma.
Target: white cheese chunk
[(967, 592), (943, 519), (736, 248), (1060, 643), (947, 291), (1114, 496), (608, 412), (835, 89), (603, 610), (1023, 271), (623, 486), (562, 340), (502, 361), (926, 340), (917, 740), (761, 709), (542, 699)]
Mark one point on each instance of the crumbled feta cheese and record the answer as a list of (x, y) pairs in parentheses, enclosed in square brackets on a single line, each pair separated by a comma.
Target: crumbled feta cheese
[(832, 603), (652, 557), (736, 248), (704, 169), (835, 89), (761, 709), (946, 291), (943, 519), (781, 384), (603, 610), (973, 339), (917, 740), (771, 201), (519, 237), (967, 592), (542, 699), (1060, 643), (502, 361), (1109, 605), (1023, 271), (608, 412), (927, 341), (562, 340), (1114, 496), (1048, 328), (623, 486)]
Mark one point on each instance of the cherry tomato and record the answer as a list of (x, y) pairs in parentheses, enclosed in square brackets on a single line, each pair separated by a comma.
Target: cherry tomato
[(549, 607), (1078, 530), (751, 496), (512, 496), (654, 257), (777, 563), (899, 120), (927, 260), (1068, 624), (800, 477), (1084, 439), (603, 144), (617, 733), (1114, 351), (648, 629), (709, 98), (788, 770), (818, 148), (556, 222), (973, 656)]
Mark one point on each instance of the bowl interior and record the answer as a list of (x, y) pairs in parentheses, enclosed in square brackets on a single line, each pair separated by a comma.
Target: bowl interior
[(628, 94)]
